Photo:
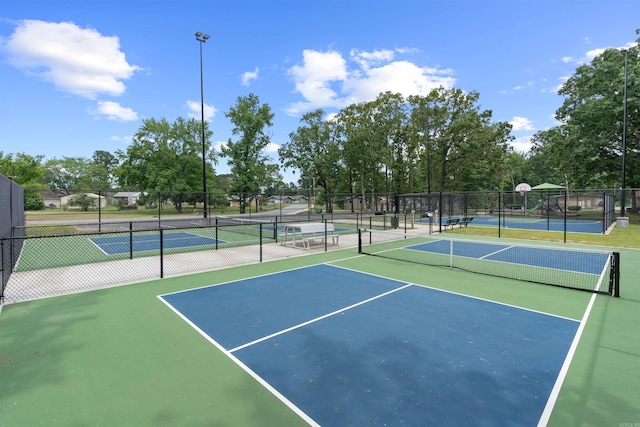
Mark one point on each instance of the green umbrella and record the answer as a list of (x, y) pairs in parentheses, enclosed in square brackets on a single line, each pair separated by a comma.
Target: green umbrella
[(547, 186)]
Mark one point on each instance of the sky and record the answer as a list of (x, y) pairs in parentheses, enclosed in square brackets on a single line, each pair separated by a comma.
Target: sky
[(81, 76)]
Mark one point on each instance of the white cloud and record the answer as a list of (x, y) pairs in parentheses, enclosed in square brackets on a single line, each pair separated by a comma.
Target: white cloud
[(76, 60), (588, 57), (522, 145), (368, 59), (530, 83), (325, 80), (249, 75), (313, 79), (399, 77), (271, 148), (562, 80), (521, 123), (409, 50), (219, 145), (122, 139), (195, 112), (114, 111)]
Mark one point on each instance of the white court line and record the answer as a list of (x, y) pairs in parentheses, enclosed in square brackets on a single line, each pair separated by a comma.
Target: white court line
[(462, 294), (98, 246), (317, 319), (555, 391), (496, 252), (248, 370)]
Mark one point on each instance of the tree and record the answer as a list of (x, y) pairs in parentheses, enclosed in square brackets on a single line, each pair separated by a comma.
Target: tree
[(364, 152), (103, 164), (592, 121), (71, 173), (82, 200), (27, 171), (165, 159), (468, 150), (246, 158), (22, 168), (313, 149)]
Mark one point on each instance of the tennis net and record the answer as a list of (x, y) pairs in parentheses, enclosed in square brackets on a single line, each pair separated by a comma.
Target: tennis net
[(251, 227), (587, 270)]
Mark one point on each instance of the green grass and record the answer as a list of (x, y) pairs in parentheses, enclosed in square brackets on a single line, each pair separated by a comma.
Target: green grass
[(112, 212)]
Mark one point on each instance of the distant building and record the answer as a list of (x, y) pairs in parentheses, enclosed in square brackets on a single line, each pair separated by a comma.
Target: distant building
[(127, 198)]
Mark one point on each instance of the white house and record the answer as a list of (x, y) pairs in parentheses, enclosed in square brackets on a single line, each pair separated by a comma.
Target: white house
[(64, 200), (128, 198)]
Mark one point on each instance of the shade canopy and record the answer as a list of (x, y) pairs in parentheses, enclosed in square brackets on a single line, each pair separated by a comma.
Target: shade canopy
[(548, 186)]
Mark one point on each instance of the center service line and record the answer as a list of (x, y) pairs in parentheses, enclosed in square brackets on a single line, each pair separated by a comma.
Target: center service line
[(318, 318)]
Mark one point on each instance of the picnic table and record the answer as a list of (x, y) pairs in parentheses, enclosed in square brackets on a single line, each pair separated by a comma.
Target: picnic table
[(307, 233)]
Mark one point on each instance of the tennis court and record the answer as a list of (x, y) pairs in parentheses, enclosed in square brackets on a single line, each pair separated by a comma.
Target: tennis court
[(123, 244), (360, 351), (531, 223), (565, 260), (331, 338)]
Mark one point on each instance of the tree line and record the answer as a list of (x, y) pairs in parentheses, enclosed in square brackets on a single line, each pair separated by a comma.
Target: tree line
[(441, 141)]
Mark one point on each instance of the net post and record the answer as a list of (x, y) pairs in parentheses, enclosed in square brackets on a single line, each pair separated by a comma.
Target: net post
[(616, 273), (451, 254), (130, 239), (359, 240)]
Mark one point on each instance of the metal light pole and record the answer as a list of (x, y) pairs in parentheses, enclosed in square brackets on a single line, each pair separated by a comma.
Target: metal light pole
[(624, 135), (202, 38), (624, 132)]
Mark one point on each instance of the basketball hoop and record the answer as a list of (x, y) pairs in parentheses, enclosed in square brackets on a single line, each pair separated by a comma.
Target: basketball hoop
[(523, 188)]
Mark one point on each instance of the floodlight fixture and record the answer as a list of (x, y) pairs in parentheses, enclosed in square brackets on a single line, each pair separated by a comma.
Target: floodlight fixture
[(202, 38)]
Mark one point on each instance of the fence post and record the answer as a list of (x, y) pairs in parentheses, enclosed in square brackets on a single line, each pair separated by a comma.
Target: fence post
[(260, 242), (161, 254), (440, 213), (565, 215), (99, 212), (499, 212)]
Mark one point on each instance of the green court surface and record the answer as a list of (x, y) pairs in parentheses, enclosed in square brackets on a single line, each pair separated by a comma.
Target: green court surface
[(119, 356)]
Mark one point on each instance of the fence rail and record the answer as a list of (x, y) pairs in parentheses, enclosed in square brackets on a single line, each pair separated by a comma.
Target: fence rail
[(41, 259), (74, 257)]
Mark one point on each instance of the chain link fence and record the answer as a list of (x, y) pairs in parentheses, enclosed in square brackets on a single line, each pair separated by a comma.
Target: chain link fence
[(130, 237), (591, 211), (62, 258), (11, 221)]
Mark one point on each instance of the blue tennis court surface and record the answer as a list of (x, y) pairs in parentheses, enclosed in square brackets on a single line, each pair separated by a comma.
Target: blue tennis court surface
[(346, 348), (540, 224), (560, 259), (150, 242)]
